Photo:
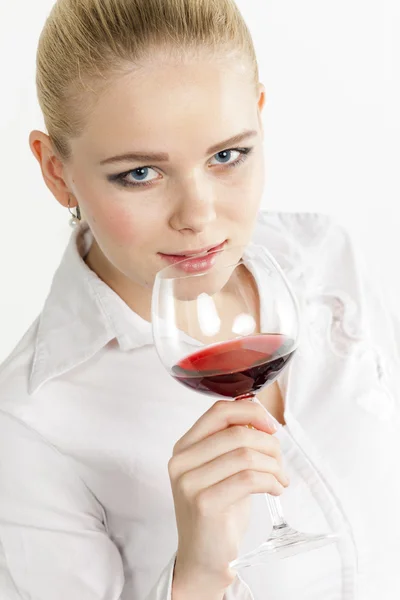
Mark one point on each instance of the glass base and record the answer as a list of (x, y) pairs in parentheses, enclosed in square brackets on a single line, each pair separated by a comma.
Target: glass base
[(283, 543)]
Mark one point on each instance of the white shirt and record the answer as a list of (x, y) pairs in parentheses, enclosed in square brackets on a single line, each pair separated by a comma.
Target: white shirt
[(89, 417)]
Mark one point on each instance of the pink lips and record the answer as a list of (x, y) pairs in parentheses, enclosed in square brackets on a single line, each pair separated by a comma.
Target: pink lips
[(200, 262)]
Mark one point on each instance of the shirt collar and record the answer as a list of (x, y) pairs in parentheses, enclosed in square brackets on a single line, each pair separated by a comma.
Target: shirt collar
[(80, 316)]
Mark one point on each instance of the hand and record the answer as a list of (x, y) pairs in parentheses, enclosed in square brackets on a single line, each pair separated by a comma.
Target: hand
[(214, 469)]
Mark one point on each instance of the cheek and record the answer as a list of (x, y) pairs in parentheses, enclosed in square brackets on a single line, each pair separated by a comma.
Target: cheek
[(247, 189), (122, 222), (117, 223), (257, 181), (257, 175)]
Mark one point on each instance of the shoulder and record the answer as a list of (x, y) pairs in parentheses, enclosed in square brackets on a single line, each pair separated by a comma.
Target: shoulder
[(316, 253), (31, 428), (303, 231), (312, 248), (16, 368), (327, 269), (17, 406), (341, 300)]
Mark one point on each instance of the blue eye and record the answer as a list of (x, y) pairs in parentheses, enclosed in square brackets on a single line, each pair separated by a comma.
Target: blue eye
[(135, 177), (232, 157), (140, 176), (225, 155), (140, 173)]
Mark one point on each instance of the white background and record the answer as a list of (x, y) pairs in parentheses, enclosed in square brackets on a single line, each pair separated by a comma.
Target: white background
[(332, 71)]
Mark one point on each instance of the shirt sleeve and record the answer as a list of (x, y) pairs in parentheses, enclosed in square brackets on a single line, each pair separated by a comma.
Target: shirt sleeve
[(53, 540), (239, 590)]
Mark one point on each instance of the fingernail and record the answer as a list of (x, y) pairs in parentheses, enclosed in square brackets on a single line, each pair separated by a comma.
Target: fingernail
[(281, 488), (272, 425)]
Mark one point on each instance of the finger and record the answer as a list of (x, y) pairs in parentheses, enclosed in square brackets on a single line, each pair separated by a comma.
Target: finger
[(223, 442), (224, 414), (222, 495), (227, 465)]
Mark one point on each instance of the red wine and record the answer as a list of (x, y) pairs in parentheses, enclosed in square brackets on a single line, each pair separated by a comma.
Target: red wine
[(237, 367)]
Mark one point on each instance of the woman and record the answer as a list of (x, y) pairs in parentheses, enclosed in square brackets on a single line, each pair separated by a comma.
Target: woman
[(116, 482)]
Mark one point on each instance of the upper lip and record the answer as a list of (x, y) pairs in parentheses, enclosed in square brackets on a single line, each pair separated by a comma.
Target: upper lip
[(193, 252)]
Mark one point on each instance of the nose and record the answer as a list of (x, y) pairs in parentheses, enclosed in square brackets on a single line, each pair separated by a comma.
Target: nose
[(195, 206)]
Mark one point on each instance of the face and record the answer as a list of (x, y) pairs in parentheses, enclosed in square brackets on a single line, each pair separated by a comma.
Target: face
[(170, 162)]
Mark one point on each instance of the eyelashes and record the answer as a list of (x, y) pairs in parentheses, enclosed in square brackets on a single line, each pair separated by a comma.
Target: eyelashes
[(122, 180)]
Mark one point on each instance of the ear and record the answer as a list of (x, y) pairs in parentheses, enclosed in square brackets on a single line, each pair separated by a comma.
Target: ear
[(262, 96), (51, 166), (261, 104)]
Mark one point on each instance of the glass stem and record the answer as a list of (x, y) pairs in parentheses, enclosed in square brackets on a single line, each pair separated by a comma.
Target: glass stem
[(274, 504), (275, 508)]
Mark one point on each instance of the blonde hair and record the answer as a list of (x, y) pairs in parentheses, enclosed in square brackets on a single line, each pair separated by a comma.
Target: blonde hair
[(84, 43)]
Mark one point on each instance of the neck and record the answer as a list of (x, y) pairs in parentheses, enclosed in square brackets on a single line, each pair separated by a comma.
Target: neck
[(134, 295)]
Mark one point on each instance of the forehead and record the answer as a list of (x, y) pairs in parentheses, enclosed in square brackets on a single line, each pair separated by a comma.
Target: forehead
[(163, 103)]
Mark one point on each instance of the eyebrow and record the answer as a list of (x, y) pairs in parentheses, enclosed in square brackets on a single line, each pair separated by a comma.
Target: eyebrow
[(164, 157)]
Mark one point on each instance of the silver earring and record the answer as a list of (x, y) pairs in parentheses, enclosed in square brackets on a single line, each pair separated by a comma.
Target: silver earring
[(75, 218)]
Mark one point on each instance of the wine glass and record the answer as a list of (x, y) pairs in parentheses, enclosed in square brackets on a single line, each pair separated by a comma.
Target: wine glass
[(226, 323)]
